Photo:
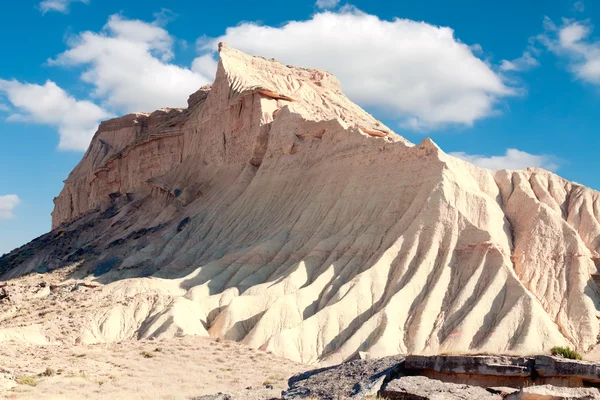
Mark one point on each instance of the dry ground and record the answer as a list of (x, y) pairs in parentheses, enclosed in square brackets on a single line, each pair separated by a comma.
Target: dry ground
[(179, 368), (40, 357)]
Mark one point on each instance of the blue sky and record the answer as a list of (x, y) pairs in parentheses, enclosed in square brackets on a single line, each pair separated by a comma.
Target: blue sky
[(504, 84)]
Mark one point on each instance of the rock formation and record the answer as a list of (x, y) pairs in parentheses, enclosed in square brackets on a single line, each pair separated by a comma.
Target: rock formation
[(449, 378), (276, 212)]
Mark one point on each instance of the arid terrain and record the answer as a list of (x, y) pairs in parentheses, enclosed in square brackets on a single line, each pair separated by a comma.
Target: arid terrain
[(181, 367), (273, 219)]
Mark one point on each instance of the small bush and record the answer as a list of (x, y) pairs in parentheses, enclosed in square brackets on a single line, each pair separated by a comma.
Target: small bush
[(27, 380), (48, 372), (565, 352), (147, 354)]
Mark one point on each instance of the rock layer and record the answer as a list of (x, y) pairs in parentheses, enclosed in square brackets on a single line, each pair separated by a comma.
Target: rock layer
[(276, 212)]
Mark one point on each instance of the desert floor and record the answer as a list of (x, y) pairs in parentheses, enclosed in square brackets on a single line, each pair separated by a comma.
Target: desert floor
[(178, 368)]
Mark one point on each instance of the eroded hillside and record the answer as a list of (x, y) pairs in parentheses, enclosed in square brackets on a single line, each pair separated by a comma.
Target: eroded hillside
[(275, 212)]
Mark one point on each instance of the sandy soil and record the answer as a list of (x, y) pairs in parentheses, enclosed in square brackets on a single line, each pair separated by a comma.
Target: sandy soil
[(178, 368), (41, 318)]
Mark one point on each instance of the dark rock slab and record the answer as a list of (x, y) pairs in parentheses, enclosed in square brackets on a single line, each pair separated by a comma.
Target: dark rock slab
[(354, 379), (423, 388), (548, 366)]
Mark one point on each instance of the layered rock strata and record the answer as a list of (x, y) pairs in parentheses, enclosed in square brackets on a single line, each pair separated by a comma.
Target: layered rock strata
[(276, 212)]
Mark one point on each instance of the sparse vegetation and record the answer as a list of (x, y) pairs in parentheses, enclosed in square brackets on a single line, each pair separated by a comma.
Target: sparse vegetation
[(27, 380), (147, 354), (565, 352), (48, 372), (267, 382)]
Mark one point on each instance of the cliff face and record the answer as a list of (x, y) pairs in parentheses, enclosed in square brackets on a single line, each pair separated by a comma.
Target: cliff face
[(276, 212), (224, 126)]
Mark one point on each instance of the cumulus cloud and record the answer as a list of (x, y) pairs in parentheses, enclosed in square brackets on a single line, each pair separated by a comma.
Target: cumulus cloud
[(128, 64), (513, 159), (524, 63), (572, 41), (48, 104), (59, 5), (420, 72), (327, 4), (7, 205)]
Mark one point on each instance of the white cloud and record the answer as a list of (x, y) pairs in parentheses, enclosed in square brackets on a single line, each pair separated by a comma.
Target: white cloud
[(59, 5), (128, 65), (572, 41), (513, 159), (418, 71), (327, 4), (523, 63), (50, 105), (205, 65), (7, 205), (579, 6)]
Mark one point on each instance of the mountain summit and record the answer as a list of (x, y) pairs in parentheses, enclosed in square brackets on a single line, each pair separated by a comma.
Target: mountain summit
[(276, 212)]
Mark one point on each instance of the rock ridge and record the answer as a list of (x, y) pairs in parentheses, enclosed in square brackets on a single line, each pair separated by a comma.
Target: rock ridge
[(276, 212)]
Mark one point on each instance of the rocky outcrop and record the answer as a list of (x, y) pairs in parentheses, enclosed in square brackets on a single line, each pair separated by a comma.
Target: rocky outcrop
[(548, 367), (108, 169), (450, 377), (473, 365), (505, 370), (276, 212), (548, 392), (352, 380), (422, 388)]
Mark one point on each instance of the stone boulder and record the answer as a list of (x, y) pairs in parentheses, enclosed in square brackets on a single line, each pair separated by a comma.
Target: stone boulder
[(423, 388), (355, 379)]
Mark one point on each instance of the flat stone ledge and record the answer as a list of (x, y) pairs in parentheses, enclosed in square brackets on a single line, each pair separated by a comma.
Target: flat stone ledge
[(548, 366), (476, 365)]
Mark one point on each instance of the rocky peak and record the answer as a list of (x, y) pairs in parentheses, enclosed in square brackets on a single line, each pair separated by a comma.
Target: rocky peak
[(276, 212)]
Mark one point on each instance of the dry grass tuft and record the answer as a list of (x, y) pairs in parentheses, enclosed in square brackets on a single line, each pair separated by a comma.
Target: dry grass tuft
[(27, 380)]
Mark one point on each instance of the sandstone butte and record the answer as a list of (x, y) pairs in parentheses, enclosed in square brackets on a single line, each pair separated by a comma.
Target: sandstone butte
[(275, 212)]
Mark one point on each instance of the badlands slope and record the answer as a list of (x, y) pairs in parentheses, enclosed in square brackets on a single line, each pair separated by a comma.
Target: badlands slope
[(275, 212)]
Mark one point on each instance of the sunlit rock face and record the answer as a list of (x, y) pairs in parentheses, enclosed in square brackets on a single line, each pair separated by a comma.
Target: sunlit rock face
[(276, 212)]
